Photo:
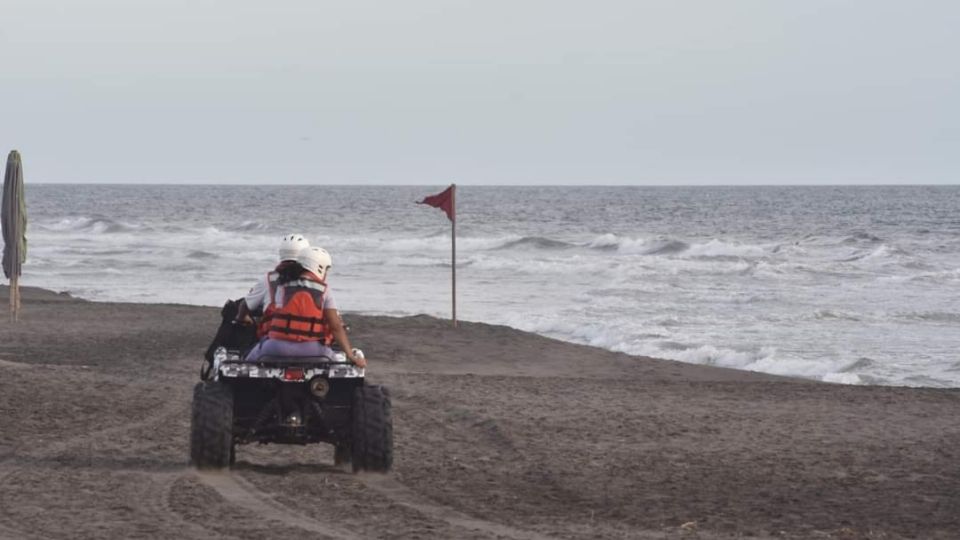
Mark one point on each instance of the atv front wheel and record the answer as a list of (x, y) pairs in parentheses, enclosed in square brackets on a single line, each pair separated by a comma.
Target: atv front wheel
[(372, 430), (211, 426)]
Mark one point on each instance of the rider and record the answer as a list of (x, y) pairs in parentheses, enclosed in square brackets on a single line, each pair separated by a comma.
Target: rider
[(305, 319), (260, 297)]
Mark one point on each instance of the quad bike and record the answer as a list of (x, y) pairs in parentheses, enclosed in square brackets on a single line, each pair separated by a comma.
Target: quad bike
[(289, 400)]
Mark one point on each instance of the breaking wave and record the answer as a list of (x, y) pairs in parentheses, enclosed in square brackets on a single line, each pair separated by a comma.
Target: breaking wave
[(860, 237), (98, 225), (714, 248), (860, 364), (200, 254), (538, 242), (883, 251), (827, 314), (943, 276), (933, 316), (248, 226)]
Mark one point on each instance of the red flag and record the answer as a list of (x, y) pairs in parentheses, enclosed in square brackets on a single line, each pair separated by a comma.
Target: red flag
[(443, 201)]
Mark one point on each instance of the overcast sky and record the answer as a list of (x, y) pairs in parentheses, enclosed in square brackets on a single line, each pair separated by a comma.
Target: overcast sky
[(482, 92)]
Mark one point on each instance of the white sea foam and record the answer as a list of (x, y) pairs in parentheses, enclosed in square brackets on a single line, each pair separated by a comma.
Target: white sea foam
[(608, 240), (612, 337), (720, 248), (842, 378)]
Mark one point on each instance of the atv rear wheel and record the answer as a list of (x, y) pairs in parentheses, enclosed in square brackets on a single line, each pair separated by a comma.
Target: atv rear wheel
[(211, 426), (372, 430)]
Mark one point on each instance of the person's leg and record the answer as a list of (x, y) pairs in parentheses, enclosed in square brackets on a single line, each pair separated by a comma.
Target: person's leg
[(299, 348), (257, 351), (280, 347)]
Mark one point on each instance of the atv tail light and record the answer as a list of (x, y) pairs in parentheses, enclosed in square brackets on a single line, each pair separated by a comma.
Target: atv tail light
[(293, 374)]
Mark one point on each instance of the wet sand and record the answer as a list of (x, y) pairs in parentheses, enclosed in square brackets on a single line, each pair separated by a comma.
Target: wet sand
[(499, 434)]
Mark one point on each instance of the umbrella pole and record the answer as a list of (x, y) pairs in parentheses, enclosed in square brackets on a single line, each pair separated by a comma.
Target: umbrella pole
[(14, 297), (15, 278)]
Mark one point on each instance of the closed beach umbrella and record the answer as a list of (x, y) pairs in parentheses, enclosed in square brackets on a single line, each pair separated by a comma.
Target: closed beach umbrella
[(13, 215)]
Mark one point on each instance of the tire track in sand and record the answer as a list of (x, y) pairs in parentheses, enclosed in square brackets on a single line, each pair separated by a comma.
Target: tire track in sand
[(7, 533), (168, 409), (160, 504), (158, 499), (7, 530), (242, 493), (8, 463), (404, 496), (10, 534)]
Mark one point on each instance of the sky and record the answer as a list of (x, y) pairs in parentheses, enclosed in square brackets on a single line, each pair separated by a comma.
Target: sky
[(658, 92)]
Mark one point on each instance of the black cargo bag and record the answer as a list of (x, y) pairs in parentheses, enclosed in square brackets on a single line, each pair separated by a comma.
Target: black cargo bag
[(232, 335)]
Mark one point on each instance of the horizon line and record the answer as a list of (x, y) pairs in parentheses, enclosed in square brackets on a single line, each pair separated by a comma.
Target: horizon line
[(205, 184)]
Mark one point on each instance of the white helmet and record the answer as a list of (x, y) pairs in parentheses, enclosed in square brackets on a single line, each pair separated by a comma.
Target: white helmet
[(316, 260), (291, 245)]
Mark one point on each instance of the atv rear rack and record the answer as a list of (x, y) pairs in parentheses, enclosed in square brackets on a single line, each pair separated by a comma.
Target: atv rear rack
[(228, 364)]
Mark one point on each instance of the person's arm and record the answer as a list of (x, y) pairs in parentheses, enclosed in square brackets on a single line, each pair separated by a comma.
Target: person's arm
[(256, 298), (339, 334), (243, 313)]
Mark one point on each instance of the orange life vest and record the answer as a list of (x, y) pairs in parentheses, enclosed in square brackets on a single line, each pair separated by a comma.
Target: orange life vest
[(299, 317)]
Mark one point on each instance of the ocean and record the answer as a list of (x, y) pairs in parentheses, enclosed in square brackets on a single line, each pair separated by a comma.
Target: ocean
[(855, 285)]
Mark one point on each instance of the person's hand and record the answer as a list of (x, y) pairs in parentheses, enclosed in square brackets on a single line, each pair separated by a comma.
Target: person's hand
[(358, 361), (246, 320)]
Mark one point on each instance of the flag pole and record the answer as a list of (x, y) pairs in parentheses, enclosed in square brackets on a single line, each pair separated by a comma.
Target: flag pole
[(453, 249), (446, 200)]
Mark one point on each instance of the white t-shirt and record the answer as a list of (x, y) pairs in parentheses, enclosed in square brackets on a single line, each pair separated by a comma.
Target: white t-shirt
[(257, 297)]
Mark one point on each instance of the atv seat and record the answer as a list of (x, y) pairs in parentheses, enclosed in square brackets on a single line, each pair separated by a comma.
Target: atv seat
[(296, 360)]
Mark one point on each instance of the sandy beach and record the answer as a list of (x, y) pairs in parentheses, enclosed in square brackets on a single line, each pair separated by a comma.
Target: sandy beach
[(499, 434)]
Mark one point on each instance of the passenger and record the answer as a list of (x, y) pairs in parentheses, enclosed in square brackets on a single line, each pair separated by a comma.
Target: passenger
[(260, 297), (305, 318)]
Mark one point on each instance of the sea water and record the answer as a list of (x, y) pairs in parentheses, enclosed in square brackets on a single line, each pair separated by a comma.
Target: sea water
[(844, 284)]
